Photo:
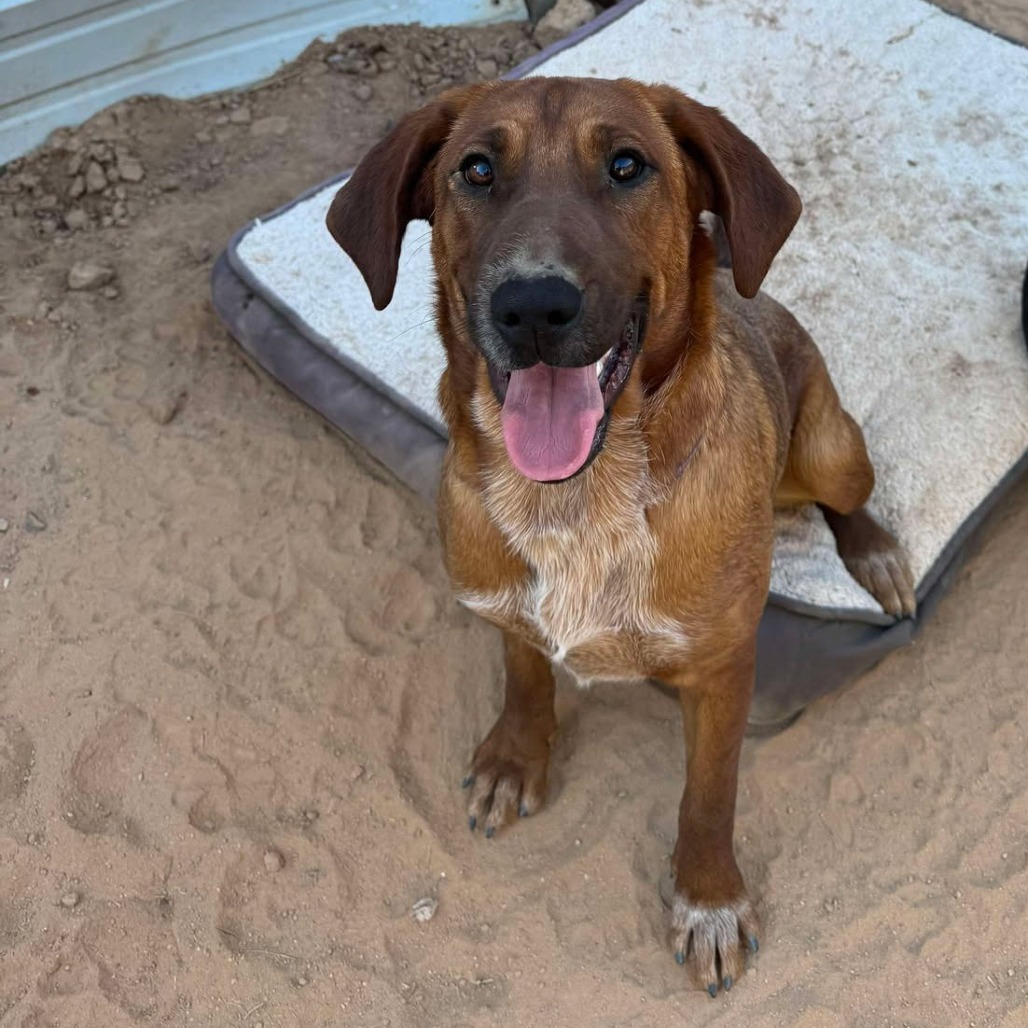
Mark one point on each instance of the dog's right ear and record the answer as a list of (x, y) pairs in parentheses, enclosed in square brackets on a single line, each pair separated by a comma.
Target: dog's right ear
[(390, 188)]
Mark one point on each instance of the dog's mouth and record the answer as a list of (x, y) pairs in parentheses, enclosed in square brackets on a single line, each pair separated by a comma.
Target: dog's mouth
[(555, 419)]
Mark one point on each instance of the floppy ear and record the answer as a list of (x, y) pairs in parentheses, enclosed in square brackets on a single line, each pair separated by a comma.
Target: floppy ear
[(758, 207), (390, 188)]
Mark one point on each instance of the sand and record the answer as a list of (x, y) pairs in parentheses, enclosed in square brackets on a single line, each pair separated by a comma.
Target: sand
[(236, 697)]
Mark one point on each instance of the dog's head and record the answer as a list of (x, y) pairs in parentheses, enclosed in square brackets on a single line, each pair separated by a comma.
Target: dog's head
[(562, 211)]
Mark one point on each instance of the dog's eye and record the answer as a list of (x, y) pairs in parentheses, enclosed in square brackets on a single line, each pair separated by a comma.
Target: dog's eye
[(478, 171), (626, 166)]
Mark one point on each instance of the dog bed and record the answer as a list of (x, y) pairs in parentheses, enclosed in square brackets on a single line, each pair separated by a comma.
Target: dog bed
[(900, 128)]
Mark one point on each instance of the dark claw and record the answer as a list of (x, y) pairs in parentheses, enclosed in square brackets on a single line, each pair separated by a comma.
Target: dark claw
[(754, 945), (490, 832), (522, 811), (679, 958), (712, 990), (472, 822), (727, 983), (466, 781)]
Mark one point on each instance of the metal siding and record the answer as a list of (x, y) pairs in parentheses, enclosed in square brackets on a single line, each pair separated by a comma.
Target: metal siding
[(63, 60)]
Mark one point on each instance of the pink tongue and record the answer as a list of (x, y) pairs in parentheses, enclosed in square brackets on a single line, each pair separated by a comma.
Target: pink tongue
[(549, 419)]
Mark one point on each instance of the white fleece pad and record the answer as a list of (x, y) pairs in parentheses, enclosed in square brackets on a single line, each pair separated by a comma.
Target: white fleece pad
[(905, 131)]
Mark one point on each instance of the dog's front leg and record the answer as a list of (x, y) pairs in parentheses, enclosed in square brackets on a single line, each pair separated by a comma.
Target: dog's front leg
[(712, 918), (510, 768)]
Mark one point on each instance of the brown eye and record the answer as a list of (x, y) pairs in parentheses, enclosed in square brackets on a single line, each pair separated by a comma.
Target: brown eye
[(625, 167), (478, 171)]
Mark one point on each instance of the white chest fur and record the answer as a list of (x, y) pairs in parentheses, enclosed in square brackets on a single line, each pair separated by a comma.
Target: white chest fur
[(591, 553)]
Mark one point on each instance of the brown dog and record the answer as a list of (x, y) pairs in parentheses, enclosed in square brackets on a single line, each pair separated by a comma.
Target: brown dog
[(622, 424)]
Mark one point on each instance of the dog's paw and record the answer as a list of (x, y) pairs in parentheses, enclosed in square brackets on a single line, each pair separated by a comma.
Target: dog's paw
[(886, 576), (876, 560), (712, 941), (508, 776)]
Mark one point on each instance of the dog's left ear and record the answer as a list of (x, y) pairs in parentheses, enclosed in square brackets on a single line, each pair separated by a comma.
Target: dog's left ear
[(758, 207), (389, 189)]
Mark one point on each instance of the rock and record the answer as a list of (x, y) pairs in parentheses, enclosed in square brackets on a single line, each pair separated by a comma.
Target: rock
[(164, 409), (110, 292), (77, 187), (487, 68), (566, 15), (424, 910), (34, 523), (96, 180), (352, 63), (76, 219), (70, 900), (273, 861), (4, 525), (100, 151), (241, 116), (274, 125), (89, 275), (363, 92), (200, 251), (131, 170), (75, 164)]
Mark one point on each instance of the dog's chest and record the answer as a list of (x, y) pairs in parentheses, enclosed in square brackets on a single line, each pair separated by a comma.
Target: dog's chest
[(588, 598)]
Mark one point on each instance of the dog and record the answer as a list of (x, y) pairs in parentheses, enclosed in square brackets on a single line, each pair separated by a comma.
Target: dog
[(624, 417)]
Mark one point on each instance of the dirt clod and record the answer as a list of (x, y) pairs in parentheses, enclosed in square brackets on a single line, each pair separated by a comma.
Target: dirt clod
[(76, 219), (130, 170), (424, 909), (96, 178), (89, 274), (273, 125)]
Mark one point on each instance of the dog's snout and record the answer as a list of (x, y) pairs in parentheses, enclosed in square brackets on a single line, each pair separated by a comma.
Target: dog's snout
[(530, 313)]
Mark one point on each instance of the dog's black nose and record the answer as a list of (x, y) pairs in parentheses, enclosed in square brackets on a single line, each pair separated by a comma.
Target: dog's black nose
[(531, 314)]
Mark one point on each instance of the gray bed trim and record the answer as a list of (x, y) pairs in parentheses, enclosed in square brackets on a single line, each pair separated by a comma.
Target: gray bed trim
[(357, 403)]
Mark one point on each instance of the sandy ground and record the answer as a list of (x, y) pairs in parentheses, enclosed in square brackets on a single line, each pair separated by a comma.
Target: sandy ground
[(236, 698)]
